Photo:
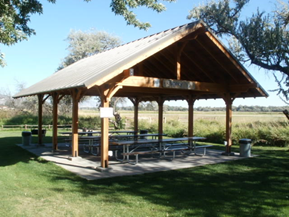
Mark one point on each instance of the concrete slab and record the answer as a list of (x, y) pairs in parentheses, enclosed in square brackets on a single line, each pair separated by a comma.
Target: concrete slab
[(88, 166)]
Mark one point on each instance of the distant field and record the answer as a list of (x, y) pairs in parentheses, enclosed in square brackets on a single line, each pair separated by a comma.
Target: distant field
[(238, 117)]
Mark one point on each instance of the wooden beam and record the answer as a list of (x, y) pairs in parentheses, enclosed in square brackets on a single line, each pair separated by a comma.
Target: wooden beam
[(150, 51), (180, 48), (235, 88), (112, 91), (140, 69), (229, 56), (150, 82), (155, 63), (200, 67), (214, 57), (44, 99)]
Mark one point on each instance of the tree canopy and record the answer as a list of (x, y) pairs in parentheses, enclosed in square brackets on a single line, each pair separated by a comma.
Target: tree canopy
[(15, 16), (83, 44), (261, 39)]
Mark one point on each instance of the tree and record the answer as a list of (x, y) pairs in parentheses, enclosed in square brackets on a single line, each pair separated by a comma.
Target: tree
[(261, 39), (15, 16), (122, 7), (27, 105), (84, 44)]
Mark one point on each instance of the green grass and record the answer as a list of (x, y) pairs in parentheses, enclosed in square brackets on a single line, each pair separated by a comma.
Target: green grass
[(30, 186)]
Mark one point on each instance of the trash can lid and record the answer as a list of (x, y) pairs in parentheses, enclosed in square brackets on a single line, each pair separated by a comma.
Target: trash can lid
[(26, 133), (245, 141)]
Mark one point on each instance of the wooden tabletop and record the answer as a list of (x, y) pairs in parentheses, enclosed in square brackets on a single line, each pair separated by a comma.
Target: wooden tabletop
[(131, 142)]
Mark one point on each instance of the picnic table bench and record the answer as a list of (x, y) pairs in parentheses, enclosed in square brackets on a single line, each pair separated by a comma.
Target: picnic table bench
[(162, 149)]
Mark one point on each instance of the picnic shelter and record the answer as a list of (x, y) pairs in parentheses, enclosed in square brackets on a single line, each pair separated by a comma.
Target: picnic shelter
[(187, 62)]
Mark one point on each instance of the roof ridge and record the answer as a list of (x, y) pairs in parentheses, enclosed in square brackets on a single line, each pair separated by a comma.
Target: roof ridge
[(148, 36)]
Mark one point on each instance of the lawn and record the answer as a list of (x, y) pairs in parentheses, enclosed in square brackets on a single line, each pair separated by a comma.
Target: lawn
[(257, 186)]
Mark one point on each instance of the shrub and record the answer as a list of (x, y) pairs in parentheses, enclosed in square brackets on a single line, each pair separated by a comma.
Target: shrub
[(89, 122)]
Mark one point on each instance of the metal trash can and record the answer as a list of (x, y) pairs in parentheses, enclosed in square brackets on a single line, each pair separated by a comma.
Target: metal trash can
[(143, 132), (26, 138), (245, 147)]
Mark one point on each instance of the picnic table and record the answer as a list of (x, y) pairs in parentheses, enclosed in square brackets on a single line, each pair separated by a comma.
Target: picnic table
[(160, 146), (93, 142), (90, 133), (136, 136)]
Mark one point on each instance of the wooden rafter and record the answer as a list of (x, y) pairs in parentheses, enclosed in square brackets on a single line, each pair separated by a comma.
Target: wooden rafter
[(199, 67), (229, 56), (151, 65), (238, 88), (163, 67), (216, 59), (44, 99)]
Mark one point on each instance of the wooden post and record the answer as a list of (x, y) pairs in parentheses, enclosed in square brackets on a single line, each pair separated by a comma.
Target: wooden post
[(191, 102), (54, 121), (136, 116), (74, 138), (229, 101), (179, 68), (135, 102), (179, 49), (104, 136), (40, 103), (105, 92), (161, 113)]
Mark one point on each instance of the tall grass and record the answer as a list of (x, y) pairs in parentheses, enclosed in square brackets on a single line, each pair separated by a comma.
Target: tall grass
[(262, 133), (29, 119), (264, 130)]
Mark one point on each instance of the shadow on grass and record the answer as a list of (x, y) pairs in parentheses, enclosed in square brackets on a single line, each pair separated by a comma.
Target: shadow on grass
[(250, 187), (11, 154)]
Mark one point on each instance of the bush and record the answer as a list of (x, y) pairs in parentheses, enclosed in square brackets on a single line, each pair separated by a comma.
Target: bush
[(145, 125), (262, 133), (89, 122), (174, 128)]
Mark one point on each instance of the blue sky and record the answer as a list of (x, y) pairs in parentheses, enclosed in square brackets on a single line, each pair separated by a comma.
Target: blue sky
[(33, 60)]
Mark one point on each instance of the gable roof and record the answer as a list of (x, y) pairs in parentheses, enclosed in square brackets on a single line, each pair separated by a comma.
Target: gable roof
[(155, 54)]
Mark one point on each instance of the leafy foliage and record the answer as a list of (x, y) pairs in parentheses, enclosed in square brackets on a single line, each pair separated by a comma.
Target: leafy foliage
[(84, 44), (122, 7), (15, 16), (262, 39)]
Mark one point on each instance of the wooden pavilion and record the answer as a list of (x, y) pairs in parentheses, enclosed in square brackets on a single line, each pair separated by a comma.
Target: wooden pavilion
[(187, 62)]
